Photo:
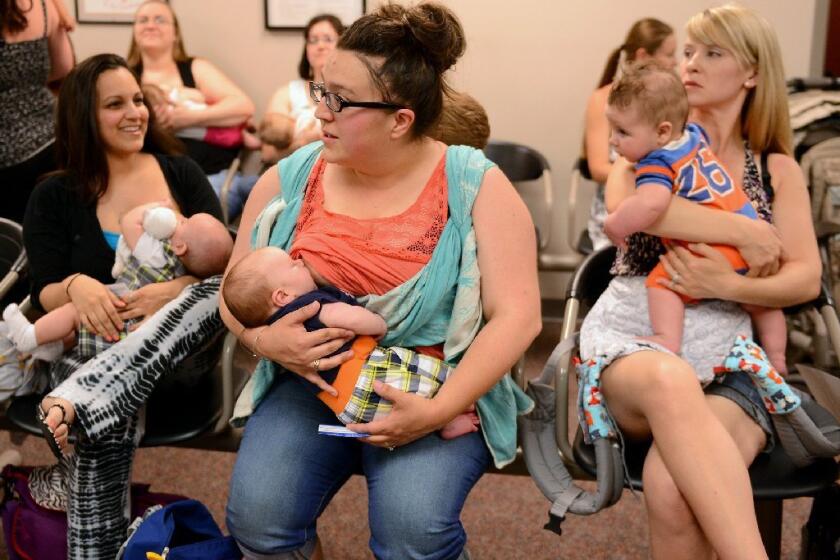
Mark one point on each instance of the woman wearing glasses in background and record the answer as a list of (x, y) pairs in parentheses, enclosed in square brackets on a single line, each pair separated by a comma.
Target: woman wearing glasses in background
[(293, 100), (379, 209)]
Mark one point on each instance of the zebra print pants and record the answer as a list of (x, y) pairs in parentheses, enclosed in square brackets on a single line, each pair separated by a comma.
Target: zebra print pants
[(108, 392)]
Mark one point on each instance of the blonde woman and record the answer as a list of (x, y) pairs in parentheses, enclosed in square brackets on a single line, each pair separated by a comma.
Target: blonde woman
[(697, 490), (648, 38)]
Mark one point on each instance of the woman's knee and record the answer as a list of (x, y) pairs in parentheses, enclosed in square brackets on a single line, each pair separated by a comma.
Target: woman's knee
[(418, 533)]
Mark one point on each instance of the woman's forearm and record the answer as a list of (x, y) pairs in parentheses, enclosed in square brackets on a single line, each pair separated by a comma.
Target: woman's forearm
[(689, 221), (55, 295), (498, 345), (231, 111), (795, 283)]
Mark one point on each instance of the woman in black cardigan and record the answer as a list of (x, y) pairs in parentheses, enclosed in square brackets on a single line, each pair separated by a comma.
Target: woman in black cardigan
[(111, 160)]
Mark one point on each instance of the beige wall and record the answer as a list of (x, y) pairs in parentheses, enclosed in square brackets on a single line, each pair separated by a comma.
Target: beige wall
[(532, 63)]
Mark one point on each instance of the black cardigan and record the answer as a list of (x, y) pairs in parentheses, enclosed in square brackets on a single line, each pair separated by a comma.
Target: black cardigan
[(62, 235)]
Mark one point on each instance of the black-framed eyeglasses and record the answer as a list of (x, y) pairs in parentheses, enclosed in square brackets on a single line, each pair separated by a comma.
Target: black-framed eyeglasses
[(336, 103)]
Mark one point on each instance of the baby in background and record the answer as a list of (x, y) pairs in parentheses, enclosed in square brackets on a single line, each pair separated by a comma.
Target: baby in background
[(267, 284), (647, 109), (193, 100), (156, 245), (278, 130), (463, 121)]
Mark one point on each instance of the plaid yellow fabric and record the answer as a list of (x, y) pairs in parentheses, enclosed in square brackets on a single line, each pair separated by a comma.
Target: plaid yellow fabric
[(135, 275), (400, 368)]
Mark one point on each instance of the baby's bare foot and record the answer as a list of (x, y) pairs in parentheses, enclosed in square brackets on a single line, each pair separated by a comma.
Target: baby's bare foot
[(465, 423)]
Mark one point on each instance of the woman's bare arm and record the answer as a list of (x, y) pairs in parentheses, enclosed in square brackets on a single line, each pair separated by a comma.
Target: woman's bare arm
[(759, 242), (227, 104), (798, 279), (58, 42), (286, 341), (597, 136)]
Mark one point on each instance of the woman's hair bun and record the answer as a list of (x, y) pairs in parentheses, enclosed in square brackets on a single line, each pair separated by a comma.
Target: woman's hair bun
[(435, 28)]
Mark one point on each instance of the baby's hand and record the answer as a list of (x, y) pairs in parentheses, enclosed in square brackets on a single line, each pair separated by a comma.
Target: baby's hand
[(160, 222)]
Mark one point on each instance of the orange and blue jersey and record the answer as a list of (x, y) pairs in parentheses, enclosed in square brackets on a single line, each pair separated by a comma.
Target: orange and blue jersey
[(688, 167)]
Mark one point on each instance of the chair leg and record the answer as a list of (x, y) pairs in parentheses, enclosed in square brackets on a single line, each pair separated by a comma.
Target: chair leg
[(769, 516)]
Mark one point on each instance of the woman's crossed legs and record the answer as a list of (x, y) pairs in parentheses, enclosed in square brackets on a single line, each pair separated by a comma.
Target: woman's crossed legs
[(286, 474), (697, 488)]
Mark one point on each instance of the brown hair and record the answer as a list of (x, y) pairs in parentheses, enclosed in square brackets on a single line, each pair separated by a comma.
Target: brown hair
[(179, 53), (647, 34), (80, 152), (417, 45), (304, 68), (277, 129), (247, 292), (12, 18), (655, 92), (463, 121)]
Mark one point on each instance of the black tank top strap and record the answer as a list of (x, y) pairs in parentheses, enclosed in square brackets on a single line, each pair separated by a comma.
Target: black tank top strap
[(766, 180), (44, 9), (185, 71)]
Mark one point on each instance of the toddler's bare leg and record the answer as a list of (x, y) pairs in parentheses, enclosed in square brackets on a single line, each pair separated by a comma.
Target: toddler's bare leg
[(667, 311), (772, 332), (57, 324)]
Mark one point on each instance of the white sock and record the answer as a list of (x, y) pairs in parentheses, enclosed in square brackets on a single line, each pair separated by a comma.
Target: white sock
[(21, 331), (49, 351)]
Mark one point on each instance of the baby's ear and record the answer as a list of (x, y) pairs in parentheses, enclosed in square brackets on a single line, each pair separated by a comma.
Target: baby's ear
[(280, 298), (664, 131), (179, 248)]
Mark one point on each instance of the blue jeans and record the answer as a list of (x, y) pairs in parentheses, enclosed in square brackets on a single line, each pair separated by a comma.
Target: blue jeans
[(286, 474), (240, 188)]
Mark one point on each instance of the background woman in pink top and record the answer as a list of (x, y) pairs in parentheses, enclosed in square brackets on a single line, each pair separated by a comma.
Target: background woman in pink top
[(379, 171)]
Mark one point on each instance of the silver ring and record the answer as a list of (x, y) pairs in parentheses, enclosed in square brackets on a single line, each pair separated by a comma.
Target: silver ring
[(390, 448), (315, 364), (676, 278)]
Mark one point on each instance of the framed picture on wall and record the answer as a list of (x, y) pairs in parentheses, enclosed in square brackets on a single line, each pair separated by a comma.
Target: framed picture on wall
[(106, 11), (294, 14)]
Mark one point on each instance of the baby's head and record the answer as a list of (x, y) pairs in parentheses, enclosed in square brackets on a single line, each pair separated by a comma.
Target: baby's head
[(203, 244), (463, 121), (263, 281), (647, 108), (277, 129), (154, 95)]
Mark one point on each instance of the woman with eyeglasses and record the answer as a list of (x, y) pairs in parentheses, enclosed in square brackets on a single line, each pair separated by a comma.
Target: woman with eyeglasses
[(321, 35), (158, 56), (434, 239)]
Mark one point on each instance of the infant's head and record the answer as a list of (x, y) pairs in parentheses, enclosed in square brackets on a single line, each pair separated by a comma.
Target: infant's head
[(646, 108), (463, 121), (263, 281), (277, 129), (203, 244), (154, 95)]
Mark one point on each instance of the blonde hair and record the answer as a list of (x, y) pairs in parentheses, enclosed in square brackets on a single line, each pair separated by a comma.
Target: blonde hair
[(179, 53), (765, 120)]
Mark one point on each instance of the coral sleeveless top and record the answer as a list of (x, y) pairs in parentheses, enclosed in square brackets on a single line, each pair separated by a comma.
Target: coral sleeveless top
[(370, 256)]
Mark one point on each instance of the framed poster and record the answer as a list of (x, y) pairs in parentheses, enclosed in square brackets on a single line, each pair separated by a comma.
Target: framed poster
[(106, 11), (294, 14)]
